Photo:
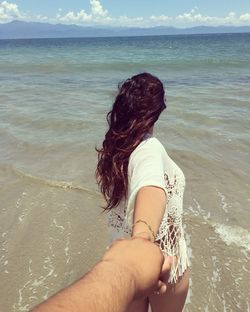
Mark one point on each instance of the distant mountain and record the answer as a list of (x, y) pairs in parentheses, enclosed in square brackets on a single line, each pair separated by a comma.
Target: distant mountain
[(23, 30)]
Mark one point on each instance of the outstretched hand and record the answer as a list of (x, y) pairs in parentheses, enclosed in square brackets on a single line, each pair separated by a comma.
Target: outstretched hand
[(143, 260), (165, 269)]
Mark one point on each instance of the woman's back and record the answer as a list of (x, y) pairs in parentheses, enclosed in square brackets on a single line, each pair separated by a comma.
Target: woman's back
[(141, 184), (150, 165)]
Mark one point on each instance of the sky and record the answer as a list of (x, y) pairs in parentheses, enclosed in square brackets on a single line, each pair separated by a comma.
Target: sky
[(139, 13)]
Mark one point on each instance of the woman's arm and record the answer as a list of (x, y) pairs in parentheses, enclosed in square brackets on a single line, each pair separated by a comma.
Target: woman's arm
[(150, 205), (147, 187)]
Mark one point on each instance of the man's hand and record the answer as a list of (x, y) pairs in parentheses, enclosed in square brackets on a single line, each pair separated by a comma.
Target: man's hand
[(141, 259), (130, 266)]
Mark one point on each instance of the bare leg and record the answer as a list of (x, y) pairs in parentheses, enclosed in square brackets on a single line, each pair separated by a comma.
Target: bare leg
[(174, 299), (138, 306)]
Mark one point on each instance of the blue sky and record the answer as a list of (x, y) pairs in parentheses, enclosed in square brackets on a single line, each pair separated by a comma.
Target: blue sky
[(142, 13)]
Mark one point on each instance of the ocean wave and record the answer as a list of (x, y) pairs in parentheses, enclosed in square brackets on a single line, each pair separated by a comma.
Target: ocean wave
[(54, 183), (233, 235), (229, 234)]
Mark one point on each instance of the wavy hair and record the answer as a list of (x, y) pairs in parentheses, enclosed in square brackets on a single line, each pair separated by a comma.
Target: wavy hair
[(137, 106)]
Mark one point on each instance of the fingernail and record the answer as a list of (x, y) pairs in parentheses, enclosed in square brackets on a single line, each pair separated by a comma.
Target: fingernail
[(170, 260)]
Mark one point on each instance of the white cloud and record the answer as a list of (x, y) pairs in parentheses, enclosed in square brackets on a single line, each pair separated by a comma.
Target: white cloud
[(245, 18), (98, 15), (8, 11), (160, 20), (71, 17), (39, 18), (194, 17), (231, 18), (97, 9), (125, 21)]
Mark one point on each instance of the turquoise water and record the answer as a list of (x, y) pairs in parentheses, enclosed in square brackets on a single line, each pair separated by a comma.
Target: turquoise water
[(54, 95)]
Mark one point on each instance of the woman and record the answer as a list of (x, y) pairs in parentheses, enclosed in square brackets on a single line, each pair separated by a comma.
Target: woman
[(142, 186)]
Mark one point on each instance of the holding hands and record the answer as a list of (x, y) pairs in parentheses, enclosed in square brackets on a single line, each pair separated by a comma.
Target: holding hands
[(143, 260)]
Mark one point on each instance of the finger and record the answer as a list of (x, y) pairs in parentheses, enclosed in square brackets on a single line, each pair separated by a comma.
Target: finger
[(163, 289), (159, 284), (166, 265)]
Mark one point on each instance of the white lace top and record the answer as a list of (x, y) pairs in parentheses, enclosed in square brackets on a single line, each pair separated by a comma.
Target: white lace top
[(149, 164)]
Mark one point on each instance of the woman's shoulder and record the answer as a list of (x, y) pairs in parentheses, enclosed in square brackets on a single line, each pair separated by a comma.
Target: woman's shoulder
[(151, 143), (149, 146)]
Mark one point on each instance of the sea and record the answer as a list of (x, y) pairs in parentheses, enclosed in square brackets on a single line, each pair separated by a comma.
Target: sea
[(54, 97)]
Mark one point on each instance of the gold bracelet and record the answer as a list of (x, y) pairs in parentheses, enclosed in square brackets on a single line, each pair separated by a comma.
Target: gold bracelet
[(149, 227)]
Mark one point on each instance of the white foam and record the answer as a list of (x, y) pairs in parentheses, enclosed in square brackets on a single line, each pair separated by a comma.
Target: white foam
[(52, 183), (58, 226), (30, 269), (233, 235), (20, 218), (229, 234), (66, 249), (198, 211), (224, 204)]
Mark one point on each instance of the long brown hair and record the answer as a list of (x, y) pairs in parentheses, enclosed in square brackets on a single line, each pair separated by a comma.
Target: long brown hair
[(137, 106)]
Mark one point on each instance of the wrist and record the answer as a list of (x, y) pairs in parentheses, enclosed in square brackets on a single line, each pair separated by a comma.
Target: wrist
[(141, 226), (143, 234), (120, 276)]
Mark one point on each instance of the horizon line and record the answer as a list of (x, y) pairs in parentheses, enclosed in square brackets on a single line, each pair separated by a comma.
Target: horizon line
[(139, 27)]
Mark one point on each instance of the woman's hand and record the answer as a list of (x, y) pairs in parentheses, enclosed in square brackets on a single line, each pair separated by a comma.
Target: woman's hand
[(162, 283), (165, 270)]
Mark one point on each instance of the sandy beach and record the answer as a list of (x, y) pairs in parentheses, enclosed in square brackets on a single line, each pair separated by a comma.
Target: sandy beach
[(54, 97)]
